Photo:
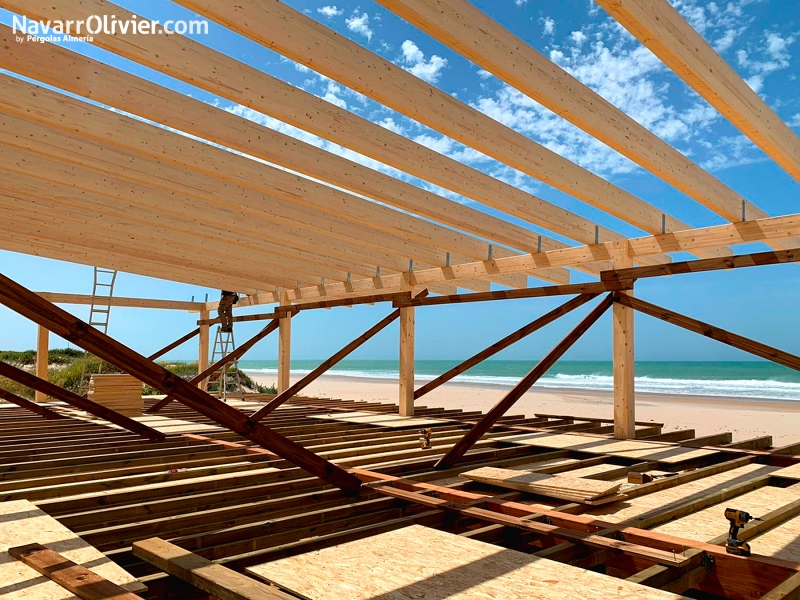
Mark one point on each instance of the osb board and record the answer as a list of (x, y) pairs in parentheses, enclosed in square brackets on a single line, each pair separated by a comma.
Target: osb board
[(556, 486), (167, 425), (22, 523), (782, 541), (626, 448), (792, 472), (382, 420), (656, 501), (710, 522), (418, 562)]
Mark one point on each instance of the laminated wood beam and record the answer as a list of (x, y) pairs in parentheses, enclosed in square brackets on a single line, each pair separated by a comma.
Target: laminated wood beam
[(173, 345), (464, 28), (507, 341), (758, 259), (500, 409), (79, 402), (657, 25), (31, 406), (61, 323), (42, 358), (788, 590), (182, 57), (715, 333), (83, 299), (298, 37), (71, 576), (220, 364)]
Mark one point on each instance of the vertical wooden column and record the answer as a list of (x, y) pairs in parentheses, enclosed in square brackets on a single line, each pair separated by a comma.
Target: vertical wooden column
[(202, 348), (624, 370), (284, 347), (42, 353), (406, 397)]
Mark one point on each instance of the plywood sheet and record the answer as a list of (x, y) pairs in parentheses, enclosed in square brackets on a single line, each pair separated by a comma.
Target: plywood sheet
[(781, 542), (167, 425), (710, 522), (566, 487), (656, 501), (792, 472), (625, 448), (22, 523), (418, 562), (382, 419)]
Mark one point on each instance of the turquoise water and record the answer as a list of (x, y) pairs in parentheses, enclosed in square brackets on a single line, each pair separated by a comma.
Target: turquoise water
[(739, 379)]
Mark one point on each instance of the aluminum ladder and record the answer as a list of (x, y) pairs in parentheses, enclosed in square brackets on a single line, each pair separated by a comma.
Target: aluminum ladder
[(99, 314), (224, 344)]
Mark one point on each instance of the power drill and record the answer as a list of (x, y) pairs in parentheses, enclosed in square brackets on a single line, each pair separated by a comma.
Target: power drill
[(737, 519)]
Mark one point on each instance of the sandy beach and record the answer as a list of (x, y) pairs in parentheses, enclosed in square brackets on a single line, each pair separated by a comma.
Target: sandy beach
[(744, 418)]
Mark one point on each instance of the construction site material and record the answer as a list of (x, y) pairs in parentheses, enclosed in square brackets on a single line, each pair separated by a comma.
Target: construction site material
[(204, 574), (379, 420), (420, 562), (23, 523), (75, 578), (572, 488), (119, 392)]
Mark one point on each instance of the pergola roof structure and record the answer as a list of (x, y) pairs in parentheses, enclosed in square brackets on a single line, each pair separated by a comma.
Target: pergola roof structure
[(86, 178)]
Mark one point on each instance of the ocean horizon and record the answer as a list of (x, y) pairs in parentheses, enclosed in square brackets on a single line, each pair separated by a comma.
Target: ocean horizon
[(738, 379)]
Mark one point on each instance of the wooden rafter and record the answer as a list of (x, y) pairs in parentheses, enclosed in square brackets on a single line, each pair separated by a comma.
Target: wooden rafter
[(83, 299), (61, 323), (173, 345), (47, 413)]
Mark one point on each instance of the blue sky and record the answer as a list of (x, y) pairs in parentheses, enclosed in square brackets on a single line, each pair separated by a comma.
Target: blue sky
[(760, 39)]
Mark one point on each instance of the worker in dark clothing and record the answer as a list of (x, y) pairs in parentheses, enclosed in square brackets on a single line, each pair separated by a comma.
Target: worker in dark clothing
[(225, 310)]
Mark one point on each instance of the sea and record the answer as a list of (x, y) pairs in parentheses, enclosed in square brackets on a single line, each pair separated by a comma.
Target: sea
[(745, 379)]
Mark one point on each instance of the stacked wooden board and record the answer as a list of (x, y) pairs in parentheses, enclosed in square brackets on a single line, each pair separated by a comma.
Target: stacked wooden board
[(419, 562), (565, 487), (118, 392)]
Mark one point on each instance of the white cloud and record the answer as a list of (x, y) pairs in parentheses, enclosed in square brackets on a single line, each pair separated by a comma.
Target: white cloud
[(389, 123), (484, 74), (520, 2), (578, 37), (794, 121), (548, 25), (429, 70), (359, 23), (331, 11), (771, 56)]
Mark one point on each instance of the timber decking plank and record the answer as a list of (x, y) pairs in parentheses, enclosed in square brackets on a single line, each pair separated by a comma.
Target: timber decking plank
[(381, 420), (420, 562)]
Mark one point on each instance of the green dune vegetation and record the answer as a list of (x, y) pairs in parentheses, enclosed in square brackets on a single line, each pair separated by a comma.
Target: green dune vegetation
[(66, 365)]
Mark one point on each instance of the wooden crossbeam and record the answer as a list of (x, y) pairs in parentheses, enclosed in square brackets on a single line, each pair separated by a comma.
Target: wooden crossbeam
[(499, 409), (657, 25), (84, 299), (31, 406), (715, 333), (71, 576), (173, 345), (787, 590), (758, 259), (507, 341), (61, 323), (220, 364), (79, 402), (327, 364)]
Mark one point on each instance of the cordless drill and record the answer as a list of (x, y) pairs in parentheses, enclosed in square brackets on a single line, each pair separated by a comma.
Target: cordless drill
[(737, 519)]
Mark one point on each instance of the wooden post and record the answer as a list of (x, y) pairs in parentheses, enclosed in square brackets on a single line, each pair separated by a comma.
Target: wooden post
[(42, 354), (624, 371), (202, 348), (285, 347), (406, 397)]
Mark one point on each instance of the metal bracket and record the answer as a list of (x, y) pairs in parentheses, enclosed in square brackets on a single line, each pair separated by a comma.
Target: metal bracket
[(548, 521), (596, 234), (744, 210), (620, 536), (348, 278), (411, 265), (447, 260), (539, 245), (707, 562), (663, 223), (490, 252), (377, 271)]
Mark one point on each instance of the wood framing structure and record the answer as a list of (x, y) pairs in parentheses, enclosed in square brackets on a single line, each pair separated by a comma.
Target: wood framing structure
[(101, 166)]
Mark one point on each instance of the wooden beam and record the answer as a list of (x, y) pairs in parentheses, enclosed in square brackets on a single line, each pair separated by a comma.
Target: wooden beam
[(83, 299), (175, 344), (325, 365), (77, 401), (218, 580), (407, 339), (61, 323), (202, 349), (71, 576), (42, 359), (715, 333), (464, 28), (222, 363), (31, 406), (284, 347), (507, 341), (624, 359), (788, 590), (758, 259), (666, 33), (499, 409)]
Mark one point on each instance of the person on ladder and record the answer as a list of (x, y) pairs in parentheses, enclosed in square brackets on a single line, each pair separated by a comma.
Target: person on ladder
[(225, 310)]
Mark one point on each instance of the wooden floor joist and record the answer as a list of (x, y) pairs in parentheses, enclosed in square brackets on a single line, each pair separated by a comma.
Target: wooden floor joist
[(31, 406)]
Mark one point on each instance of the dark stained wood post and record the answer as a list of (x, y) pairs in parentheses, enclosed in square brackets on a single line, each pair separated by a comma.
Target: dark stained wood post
[(69, 327), (482, 426), (32, 406), (174, 344)]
